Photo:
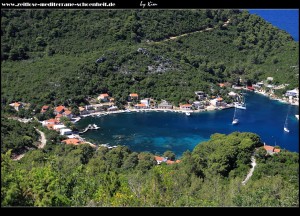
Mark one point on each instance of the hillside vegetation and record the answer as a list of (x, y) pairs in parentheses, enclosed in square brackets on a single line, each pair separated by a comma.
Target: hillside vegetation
[(210, 175), (50, 55)]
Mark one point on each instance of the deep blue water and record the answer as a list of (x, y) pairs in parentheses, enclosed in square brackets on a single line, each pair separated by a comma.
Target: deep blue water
[(158, 132), (284, 19)]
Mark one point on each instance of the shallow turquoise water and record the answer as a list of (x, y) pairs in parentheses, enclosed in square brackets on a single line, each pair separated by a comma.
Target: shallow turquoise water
[(158, 132)]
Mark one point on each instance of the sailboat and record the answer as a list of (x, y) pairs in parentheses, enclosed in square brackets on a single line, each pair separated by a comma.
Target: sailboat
[(285, 127), (241, 105), (187, 113), (235, 120)]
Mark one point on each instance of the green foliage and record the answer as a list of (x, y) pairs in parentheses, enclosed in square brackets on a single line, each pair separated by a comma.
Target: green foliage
[(49, 57), (17, 136), (170, 155), (45, 60), (222, 154), (80, 176)]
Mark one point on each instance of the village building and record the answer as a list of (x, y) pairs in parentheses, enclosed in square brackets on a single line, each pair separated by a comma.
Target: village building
[(271, 149), (160, 160), (16, 105), (146, 101), (165, 105), (44, 109), (65, 131), (59, 110), (49, 121), (140, 106), (57, 117), (185, 106), (198, 105), (112, 108), (293, 93), (103, 97), (67, 114), (83, 111), (72, 141), (133, 96), (200, 94)]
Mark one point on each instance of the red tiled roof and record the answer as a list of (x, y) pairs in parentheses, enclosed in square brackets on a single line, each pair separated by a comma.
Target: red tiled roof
[(103, 95), (16, 104), (59, 108), (157, 158), (221, 84), (58, 115), (133, 95), (67, 112), (178, 161), (185, 105), (276, 150), (170, 162), (45, 107), (269, 148), (140, 105), (219, 99), (72, 141)]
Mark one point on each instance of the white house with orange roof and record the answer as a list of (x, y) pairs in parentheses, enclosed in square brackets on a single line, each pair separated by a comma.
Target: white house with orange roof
[(57, 117), (67, 114), (146, 101), (59, 110), (44, 109), (185, 106), (49, 121), (103, 97), (72, 141), (160, 160), (140, 106), (133, 96), (217, 102), (271, 149)]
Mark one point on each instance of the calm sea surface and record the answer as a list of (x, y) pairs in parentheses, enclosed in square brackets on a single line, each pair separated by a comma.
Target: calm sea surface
[(160, 131), (287, 20)]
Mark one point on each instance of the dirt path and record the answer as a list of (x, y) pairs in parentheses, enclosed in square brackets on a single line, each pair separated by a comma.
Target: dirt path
[(18, 157), (253, 164), (40, 146), (42, 139), (182, 35)]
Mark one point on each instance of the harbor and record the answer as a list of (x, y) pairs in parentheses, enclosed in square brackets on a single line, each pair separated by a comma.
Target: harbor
[(157, 131)]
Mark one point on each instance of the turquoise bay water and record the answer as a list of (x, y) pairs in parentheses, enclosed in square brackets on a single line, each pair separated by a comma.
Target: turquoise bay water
[(158, 132)]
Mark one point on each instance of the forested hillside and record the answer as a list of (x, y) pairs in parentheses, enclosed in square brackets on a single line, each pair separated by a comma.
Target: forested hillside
[(51, 57), (210, 175), (67, 55)]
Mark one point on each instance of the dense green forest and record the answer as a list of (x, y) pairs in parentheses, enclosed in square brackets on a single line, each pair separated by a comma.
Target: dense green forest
[(64, 56), (210, 175), (17, 136)]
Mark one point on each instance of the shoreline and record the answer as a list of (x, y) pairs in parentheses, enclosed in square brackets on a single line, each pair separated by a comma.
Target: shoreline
[(281, 100), (103, 113)]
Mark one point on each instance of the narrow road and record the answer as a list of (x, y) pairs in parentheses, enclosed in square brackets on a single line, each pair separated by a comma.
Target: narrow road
[(253, 164), (182, 35), (40, 146), (42, 139)]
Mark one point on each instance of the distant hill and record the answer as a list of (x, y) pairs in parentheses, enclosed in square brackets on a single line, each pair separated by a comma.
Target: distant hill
[(67, 55)]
